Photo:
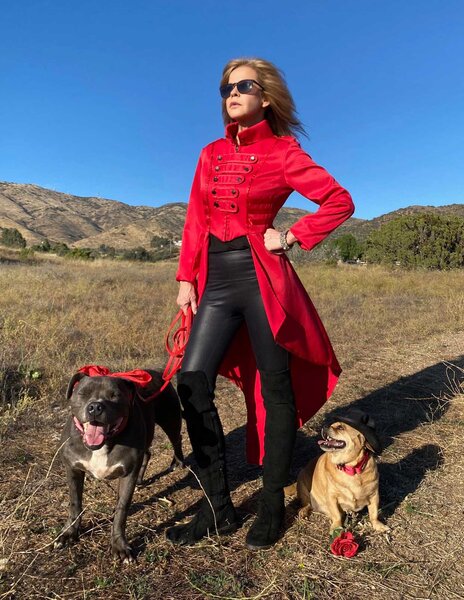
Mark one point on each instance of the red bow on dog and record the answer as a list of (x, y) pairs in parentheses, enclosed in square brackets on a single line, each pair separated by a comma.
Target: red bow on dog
[(138, 376)]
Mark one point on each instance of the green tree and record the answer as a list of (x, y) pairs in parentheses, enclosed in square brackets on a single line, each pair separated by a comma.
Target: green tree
[(82, 254), (13, 238), (109, 251), (139, 253), (60, 248), (348, 247), (424, 240), (159, 242), (44, 246)]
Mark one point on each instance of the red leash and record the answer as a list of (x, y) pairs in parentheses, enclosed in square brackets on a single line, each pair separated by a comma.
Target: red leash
[(179, 342), (179, 329), (175, 342)]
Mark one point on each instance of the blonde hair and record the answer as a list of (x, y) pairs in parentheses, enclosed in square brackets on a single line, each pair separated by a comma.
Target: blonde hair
[(281, 113)]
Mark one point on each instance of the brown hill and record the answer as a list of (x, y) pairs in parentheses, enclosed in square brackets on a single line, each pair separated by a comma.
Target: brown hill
[(39, 213), (165, 221)]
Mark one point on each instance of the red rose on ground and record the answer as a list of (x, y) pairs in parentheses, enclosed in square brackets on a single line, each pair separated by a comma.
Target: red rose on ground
[(344, 545)]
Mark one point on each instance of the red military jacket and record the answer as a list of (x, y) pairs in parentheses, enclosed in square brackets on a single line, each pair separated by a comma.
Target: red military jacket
[(238, 190)]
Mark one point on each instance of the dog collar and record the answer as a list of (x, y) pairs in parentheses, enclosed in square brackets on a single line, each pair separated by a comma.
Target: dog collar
[(356, 469)]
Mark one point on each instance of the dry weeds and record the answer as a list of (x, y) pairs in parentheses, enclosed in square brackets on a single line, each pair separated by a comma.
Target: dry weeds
[(399, 336)]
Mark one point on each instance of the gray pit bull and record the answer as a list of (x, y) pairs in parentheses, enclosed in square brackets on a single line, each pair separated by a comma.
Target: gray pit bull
[(108, 435)]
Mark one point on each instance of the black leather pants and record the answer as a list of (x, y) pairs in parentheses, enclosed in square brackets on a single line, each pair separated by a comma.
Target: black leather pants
[(231, 296)]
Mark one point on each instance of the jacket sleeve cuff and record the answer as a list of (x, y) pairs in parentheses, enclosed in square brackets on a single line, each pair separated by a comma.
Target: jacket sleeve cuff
[(182, 277)]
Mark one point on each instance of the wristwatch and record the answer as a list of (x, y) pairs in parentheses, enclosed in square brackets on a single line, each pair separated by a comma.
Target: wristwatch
[(283, 241)]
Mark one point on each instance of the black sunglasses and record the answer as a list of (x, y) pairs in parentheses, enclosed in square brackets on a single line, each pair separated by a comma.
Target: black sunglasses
[(243, 87)]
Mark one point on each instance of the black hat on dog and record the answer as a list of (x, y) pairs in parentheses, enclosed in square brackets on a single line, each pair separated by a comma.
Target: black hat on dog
[(363, 423)]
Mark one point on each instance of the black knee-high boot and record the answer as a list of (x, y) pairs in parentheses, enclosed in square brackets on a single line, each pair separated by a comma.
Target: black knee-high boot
[(279, 441), (207, 439)]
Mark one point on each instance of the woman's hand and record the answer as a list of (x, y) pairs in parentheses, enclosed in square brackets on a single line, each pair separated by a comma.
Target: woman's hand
[(187, 297), (272, 240)]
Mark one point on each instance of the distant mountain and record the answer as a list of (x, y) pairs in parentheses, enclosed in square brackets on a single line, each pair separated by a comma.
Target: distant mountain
[(39, 213), (164, 221)]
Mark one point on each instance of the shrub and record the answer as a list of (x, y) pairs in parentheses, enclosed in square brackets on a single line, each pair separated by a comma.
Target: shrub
[(60, 248), (82, 254), (159, 242), (347, 247), (44, 246), (13, 238), (425, 240), (105, 250), (138, 253)]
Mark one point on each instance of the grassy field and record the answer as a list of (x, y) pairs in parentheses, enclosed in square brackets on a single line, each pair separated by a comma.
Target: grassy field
[(400, 339)]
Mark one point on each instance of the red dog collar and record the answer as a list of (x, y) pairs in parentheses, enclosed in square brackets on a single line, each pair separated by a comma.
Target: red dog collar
[(358, 468)]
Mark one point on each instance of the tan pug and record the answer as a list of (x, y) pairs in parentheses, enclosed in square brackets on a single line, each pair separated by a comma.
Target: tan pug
[(345, 478)]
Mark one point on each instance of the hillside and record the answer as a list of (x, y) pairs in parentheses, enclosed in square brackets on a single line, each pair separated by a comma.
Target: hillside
[(165, 221), (40, 213)]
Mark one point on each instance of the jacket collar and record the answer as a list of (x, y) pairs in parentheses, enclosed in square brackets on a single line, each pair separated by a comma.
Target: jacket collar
[(250, 135)]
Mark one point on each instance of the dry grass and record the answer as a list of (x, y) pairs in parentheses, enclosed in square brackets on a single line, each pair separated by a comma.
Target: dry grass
[(400, 338)]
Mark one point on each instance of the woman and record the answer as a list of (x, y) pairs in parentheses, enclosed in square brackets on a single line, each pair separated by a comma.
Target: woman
[(254, 321)]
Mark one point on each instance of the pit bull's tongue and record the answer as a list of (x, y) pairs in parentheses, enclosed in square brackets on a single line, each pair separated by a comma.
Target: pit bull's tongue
[(94, 434)]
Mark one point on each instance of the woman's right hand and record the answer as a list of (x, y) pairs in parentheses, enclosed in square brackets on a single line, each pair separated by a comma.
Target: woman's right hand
[(187, 297)]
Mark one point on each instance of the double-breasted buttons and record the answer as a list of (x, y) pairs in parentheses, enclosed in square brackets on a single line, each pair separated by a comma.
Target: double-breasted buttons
[(222, 193), (229, 177), (226, 206)]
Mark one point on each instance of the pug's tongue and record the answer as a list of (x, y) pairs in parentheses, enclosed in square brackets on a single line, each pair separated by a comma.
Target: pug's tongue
[(94, 434)]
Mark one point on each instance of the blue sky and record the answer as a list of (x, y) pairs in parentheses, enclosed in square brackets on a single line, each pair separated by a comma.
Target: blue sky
[(116, 98)]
